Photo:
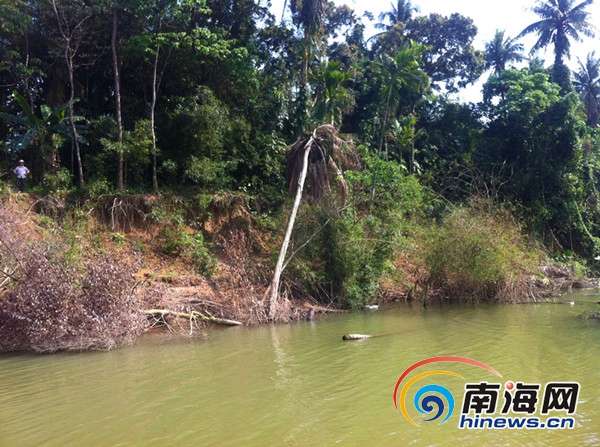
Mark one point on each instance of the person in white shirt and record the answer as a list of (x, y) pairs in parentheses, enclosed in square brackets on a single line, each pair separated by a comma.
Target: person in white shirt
[(21, 172)]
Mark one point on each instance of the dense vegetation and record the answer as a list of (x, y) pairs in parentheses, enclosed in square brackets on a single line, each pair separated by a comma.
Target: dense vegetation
[(195, 99)]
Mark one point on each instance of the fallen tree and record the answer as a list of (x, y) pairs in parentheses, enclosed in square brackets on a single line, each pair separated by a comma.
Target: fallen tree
[(194, 315)]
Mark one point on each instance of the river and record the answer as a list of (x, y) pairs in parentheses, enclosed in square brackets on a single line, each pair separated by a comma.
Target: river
[(299, 384)]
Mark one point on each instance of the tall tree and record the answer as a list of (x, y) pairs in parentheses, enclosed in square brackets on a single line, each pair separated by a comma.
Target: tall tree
[(310, 16), (330, 155), (560, 21), (587, 84), (393, 23), (399, 73), (502, 50), (450, 58), (71, 17), (114, 42)]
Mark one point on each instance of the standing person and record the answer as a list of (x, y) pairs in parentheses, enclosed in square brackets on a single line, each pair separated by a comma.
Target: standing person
[(21, 172)]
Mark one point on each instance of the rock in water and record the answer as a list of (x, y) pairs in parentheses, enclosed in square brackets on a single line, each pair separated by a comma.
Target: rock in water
[(372, 307), (355, 337)]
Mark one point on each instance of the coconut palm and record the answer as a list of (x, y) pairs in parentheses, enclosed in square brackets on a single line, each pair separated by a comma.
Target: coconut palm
[(587, 84), (502, 50), (560, 22), (309, 14), (398, 72), (393, 24), (400, 13)]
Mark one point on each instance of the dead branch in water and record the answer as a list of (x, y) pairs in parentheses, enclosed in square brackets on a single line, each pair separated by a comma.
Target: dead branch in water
[(193, 315)]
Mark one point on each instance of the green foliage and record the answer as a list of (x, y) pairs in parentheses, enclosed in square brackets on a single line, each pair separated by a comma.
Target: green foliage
[(502, 50), (478, 252), (353, 250), (354, 264), (450, 59), (118, 238), (99, 187), (59, 182), (385, 188), (532, 144), (174, 240), (333, 97), (207, 172)]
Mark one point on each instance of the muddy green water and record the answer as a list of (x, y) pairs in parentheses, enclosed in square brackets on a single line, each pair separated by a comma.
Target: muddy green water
[(299, 385)]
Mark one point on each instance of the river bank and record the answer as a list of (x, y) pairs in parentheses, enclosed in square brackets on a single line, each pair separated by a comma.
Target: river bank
[(98, 275)]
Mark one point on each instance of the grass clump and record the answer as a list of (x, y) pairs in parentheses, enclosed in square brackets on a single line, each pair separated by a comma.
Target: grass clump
[(479, 253)]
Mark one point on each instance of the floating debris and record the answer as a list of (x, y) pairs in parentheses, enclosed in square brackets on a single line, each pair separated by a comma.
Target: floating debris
[(355, 337)]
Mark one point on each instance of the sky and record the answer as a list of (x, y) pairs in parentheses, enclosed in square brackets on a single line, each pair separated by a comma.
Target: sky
[(488, 15)]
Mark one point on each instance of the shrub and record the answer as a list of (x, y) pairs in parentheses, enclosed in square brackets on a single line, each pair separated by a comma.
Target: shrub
[(99, 187), (59, 182), (51, 306), (207, 172), (346, 258), (355, 262), (174, 240), (478, 253), (354, 248)]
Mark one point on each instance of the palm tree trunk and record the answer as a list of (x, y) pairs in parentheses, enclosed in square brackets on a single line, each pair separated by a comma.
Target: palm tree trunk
[(117, 80), (274, 290), (283, 10)]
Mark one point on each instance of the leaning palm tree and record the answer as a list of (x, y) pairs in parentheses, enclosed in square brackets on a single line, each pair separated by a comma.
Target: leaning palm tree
[(502, 50), (587, 84), (560, 22), (318, 158)]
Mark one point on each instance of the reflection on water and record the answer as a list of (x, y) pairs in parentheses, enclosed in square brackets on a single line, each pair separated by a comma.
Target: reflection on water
[(298, 385)]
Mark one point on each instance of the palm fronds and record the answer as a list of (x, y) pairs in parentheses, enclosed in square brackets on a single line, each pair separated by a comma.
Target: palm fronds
[(329, 156)]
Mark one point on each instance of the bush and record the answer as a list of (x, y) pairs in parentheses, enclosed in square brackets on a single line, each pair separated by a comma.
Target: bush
[(478, 253), (207, 172), (51, 306), (355, 248), (59, 182), (355, 262), (174, 240), (99, 187)]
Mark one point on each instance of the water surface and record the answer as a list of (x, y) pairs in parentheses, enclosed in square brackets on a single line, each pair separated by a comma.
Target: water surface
[(299, 385)]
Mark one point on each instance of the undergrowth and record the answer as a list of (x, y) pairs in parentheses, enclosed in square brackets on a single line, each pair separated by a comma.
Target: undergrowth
[(478, 252)]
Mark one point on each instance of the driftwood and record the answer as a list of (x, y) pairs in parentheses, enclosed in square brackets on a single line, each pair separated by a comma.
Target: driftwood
[(193, 315)]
